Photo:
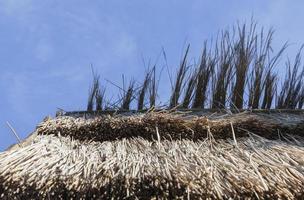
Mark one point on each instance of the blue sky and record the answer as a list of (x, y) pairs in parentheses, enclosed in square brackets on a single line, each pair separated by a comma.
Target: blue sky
[(47, 47)]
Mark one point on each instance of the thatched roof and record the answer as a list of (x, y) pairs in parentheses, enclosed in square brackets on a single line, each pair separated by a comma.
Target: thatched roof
[(165, 155)]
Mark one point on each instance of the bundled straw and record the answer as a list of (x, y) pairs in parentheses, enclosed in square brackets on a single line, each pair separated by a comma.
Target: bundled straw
[(170, 126), (59, 167)]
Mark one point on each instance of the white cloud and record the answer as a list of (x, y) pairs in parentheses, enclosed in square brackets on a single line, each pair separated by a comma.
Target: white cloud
[(124, 46)]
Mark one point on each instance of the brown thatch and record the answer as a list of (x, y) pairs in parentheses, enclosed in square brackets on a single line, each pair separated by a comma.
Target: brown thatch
[(173, 126), (159, 155)]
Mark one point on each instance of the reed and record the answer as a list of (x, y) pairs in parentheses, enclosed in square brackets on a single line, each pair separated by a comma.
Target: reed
[(172, 126), (92, 92), (100, 98), (170, 153), (244, 52), (223, 75), (179, 82), (204, 73), (128, 96), (270, 81), (269, 91), (301, 99), (290, 92), (235, 73), (54, 164), (143, 90), (153, 88), (188, 94), (262, 50)]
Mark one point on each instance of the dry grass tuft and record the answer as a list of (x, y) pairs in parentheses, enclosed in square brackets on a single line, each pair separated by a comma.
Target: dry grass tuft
[(235, 73), (204, 73), (143, 90), (93, 90), (191, 82), (179, 82), (128, 96), (100, 98), (223, 76), (269, 91), (290, 93), (153, 88), (244, 53)]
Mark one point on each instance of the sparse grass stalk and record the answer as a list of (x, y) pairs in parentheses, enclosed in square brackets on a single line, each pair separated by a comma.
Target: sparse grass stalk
[(153, 88), (189, 90), (301, 98), (239, 71), (100, 98), (223, 75), (269, 90), (290, 92), (261, 53), (244, 52), (92, 92), (128, 96), (180, 76), (143, 91), (204, 73)]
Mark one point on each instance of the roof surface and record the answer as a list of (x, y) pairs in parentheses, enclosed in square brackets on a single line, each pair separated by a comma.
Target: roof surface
[(159, 154)]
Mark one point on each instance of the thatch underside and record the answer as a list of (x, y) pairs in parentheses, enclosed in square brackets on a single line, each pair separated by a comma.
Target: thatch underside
[(62, 167)]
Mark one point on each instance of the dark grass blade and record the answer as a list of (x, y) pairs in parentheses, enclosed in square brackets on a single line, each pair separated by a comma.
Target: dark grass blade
[(92, 91), (189, 90), (100, 98), (301, 98), (204, 73), (223, 75), (261, 53), (153, 88), (244, 51), (290, 92), (143, 90), (128, 96), (238, 72), (180, 76), (269, 90)]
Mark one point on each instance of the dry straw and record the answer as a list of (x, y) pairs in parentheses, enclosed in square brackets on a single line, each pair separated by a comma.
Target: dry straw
[(172, 126), (61, 167), (159, 155)]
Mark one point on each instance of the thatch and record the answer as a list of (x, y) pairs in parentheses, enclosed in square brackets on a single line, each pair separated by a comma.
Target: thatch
[(169, 155), (110, 152), (173, 126)]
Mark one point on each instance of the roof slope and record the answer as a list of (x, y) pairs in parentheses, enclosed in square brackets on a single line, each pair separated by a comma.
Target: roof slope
[(58, 163)]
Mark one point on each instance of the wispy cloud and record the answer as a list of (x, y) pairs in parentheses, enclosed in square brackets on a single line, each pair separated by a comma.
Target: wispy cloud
[(43, 50), (21, 11), (13, 7)]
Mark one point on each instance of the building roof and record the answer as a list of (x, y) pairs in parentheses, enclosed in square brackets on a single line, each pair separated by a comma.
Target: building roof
[(159, 154)]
